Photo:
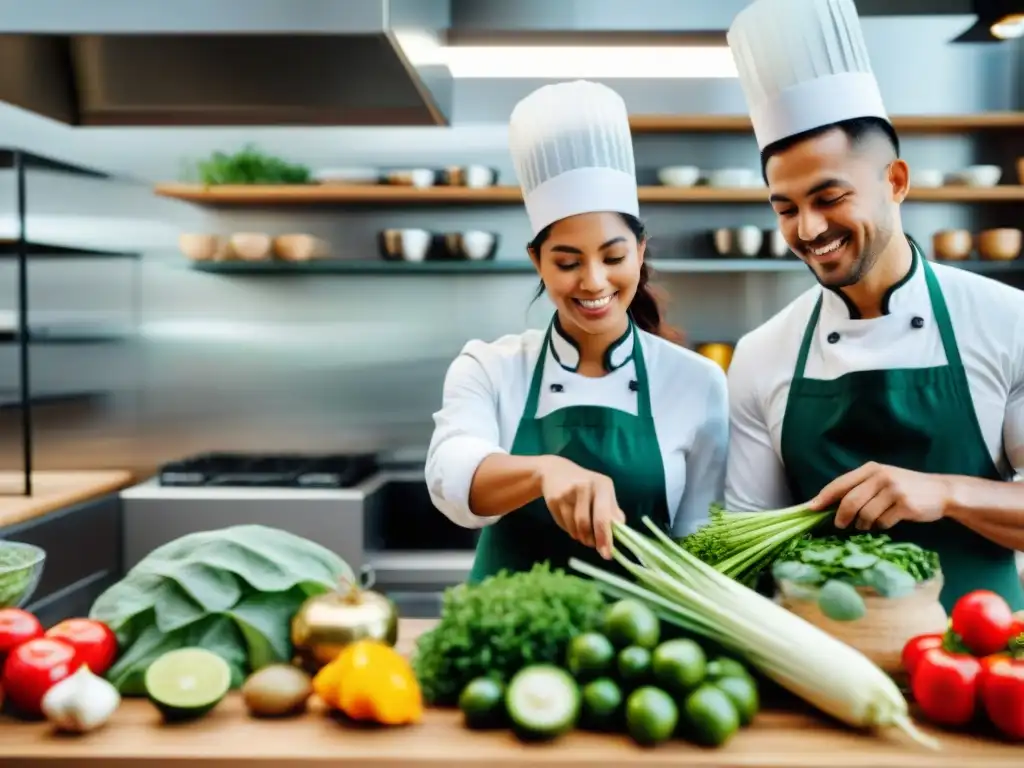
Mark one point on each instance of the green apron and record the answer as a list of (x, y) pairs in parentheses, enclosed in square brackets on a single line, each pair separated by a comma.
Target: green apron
[(920, 419), (609, 441)]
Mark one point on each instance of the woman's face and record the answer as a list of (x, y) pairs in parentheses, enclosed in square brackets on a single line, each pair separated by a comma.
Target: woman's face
[(590, 265)]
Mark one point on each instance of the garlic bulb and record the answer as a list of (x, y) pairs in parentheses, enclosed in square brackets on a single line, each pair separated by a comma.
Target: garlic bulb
[(81, 702)]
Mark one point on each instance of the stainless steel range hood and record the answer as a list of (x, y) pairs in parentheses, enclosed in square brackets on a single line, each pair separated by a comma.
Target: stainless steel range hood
[(225, 62)]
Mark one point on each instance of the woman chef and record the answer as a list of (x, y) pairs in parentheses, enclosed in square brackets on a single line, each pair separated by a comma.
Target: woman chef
[(546, 437), (894, 390)]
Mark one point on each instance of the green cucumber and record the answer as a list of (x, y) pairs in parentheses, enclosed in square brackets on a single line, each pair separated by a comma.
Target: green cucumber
[(187, 683), (542, 701)]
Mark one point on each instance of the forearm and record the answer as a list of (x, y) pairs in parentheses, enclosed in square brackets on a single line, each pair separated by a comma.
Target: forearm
[(992, 508), (503, 483)]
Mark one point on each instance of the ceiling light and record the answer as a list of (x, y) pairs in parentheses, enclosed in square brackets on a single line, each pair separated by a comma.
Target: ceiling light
[(599, 62), (1008, 27)]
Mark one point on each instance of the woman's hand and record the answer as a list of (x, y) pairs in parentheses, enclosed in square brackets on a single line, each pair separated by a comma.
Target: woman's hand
[(581, 502)]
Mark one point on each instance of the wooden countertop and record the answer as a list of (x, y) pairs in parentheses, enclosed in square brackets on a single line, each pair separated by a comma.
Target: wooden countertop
[(229, 738), (53, 490)]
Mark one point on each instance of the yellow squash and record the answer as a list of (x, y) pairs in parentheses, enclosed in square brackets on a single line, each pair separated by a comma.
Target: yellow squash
[(371, 681)]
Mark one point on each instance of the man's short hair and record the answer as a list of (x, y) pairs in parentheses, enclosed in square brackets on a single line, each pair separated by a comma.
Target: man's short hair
[(859, 130)]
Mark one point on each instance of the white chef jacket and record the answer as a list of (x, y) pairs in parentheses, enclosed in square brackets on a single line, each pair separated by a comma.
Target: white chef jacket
[(485, 392), (988, 321)]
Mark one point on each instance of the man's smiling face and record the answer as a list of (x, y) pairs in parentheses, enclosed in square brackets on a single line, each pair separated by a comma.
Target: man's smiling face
[(834, 201)]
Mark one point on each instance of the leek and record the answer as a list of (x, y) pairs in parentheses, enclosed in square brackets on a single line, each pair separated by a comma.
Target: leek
[(825, 672), (742, 545)]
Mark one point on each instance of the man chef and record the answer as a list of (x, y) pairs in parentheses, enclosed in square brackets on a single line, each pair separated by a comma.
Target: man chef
[(893, 390)]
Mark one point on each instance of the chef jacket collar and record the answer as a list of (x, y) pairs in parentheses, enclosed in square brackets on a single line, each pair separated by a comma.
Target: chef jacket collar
[(909, 294), (567, 352)]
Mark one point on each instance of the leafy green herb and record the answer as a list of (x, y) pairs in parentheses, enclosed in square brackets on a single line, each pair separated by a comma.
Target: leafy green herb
[(250, 166), (841, 601), (892, 569), (889, 579), (500, 625), (232, 591)]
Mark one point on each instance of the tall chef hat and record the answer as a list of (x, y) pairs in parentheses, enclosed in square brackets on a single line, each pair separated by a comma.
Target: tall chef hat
[(572, 152), (802, 64)]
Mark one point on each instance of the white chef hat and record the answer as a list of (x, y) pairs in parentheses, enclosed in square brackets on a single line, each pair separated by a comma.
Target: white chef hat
[(802, 64), (573, 152)]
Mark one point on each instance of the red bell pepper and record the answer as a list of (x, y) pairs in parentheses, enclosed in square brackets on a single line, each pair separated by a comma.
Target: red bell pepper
[(1001, 689), (94, 641), (945, 686), (984, 622), (915, 647)]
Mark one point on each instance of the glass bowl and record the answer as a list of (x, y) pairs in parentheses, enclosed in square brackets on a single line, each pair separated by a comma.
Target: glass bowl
[(21, 566)]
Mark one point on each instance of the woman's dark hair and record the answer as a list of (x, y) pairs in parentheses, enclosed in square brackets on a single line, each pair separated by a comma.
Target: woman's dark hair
[(646, 305)]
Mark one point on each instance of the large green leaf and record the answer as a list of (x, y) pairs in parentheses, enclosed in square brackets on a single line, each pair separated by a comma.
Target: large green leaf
[(268, 615), (232, 590)]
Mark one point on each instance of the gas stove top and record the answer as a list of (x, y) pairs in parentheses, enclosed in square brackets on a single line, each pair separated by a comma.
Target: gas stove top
[(223, 470)]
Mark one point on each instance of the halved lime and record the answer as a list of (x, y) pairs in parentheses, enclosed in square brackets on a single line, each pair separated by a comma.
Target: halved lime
[(187, 683), (543, 701)]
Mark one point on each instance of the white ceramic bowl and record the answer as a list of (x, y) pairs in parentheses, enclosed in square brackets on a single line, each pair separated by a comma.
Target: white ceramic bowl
[(734, 177), (981, 175), (679, 175), (477, 244), (406, 244)]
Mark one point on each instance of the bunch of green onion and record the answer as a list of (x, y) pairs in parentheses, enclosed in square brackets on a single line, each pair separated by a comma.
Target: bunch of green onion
[(690, 594), (742, 545)]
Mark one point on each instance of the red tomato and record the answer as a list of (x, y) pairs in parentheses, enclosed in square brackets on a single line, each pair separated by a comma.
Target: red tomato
[(94, 641), (945, 686), (1002, 695), (915, 647), (16, 627), (33, 668), (984, 622)]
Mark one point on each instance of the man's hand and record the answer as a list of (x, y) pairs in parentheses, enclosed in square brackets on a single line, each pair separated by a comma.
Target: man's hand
[(879, 496)]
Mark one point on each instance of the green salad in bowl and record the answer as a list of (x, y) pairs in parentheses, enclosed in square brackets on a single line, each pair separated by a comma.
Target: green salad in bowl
[(21, 565)]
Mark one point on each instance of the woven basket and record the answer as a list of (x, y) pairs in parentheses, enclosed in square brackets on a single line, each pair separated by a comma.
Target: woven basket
[(885, 627)]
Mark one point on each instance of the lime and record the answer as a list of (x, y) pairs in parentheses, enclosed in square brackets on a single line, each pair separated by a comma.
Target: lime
[(651, 715), (482, 702), (629, 622), (186, 683), (723, 666), (709, 717), (634, 666), (679, 666), (543, 702), (590, 655), (742, 690), (602, 704)]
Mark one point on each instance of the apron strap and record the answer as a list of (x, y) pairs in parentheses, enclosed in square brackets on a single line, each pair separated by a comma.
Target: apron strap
[(943, 320), (533, 396), (805, 345), (643, 388)]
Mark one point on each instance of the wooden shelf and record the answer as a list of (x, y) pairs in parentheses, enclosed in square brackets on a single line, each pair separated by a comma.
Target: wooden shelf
[(927, 124), (319, 194), (709, 265)]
